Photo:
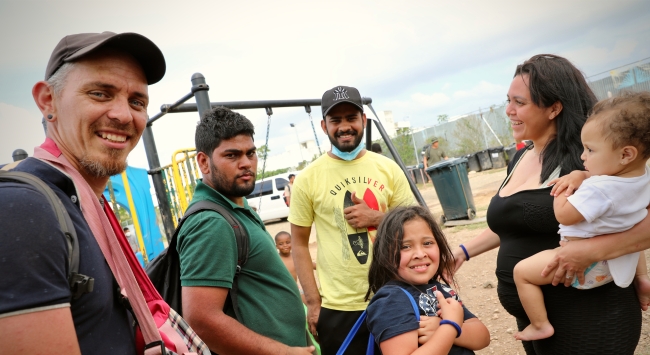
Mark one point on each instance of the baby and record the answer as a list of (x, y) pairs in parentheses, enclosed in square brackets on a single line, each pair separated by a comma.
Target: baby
[(613, 198)]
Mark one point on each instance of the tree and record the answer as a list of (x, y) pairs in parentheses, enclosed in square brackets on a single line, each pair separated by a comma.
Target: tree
[(263, 151), (403, 143), (443, 119), (468, 135), (123, 216)]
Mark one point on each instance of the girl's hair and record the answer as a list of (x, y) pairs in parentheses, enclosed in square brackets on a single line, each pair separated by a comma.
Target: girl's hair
[(388, 245), (552, 79), (625, 120)]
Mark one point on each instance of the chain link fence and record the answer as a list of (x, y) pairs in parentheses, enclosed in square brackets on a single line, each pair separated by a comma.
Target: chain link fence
[(488, 128), (468, 134), (632, 77)]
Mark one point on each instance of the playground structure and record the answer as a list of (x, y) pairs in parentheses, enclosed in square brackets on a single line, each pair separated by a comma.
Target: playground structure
[(174, 188), (179, 178), (130, 190)]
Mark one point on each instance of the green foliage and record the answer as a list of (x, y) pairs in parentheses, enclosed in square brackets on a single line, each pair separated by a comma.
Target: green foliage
[(443, 119), (263, 151), (468, 135), (507, 138), (271, 173), (403, 143), (123, 215)]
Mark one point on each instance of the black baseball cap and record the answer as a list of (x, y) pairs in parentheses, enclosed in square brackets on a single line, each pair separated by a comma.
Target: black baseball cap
[(339, 94), (76, 46)]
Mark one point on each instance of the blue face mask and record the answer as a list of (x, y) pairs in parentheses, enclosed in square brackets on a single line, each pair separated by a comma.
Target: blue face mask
[(347, 156)]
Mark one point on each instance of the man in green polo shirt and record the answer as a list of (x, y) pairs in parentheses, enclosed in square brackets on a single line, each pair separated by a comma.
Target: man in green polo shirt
[(273, 319)]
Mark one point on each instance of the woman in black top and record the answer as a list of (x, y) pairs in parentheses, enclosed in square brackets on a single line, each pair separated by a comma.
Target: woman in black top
[(548, 103)]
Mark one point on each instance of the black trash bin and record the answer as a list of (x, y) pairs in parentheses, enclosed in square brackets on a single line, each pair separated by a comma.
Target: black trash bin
[(472, 163), (510, 152), (497, 157), (484, 160), (452, 187)]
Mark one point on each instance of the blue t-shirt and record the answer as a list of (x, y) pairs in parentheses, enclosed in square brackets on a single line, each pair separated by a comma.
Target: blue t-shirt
[(390, 312), (34, 267)]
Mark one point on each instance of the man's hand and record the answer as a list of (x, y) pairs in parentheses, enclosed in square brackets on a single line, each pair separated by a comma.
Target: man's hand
[(305, 270), (301, 351), (360, 215), (428, 326), (313, 312)]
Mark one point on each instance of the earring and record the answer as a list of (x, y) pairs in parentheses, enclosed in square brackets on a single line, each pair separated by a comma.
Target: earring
[(50, 117)]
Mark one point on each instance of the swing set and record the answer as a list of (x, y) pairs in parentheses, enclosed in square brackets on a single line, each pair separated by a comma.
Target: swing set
[(174, 183)]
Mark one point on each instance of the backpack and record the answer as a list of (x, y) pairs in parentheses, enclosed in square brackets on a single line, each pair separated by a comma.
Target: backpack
[(79, 284), (370, 350), (165, 269)]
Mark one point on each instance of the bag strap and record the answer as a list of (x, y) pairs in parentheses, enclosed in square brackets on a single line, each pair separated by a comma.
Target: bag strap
[(415, 307), (241, 238), (79, 284), (370, 350)]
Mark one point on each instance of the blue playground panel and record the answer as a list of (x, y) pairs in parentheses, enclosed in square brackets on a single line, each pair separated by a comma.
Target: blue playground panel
[(139, 184)]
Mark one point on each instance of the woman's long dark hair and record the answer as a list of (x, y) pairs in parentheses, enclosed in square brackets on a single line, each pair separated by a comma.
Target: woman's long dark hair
[(388, 245), (552, 79)]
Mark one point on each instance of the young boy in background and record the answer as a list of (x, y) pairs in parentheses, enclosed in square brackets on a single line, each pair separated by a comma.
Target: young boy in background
[(283, 244)]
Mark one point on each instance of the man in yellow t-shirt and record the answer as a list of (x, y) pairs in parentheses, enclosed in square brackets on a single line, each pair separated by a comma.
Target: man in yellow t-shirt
[(345, 193)]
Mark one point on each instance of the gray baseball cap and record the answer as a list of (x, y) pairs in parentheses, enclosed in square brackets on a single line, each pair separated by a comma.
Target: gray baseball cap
[(76, 46)]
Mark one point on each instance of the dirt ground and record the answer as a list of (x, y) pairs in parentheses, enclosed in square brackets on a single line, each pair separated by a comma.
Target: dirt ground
[(477, 282)]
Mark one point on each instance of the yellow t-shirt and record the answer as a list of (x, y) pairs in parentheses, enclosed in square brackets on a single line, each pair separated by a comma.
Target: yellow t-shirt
[(319, 195)]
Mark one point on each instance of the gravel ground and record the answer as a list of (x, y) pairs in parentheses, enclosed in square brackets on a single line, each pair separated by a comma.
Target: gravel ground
[(476, 279)]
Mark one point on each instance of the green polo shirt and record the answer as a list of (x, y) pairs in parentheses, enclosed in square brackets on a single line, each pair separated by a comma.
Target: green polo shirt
[(268, 296)]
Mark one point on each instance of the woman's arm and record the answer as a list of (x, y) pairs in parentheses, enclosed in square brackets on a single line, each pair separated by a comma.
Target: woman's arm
[(577, 255), (485, 241), (475, 335)]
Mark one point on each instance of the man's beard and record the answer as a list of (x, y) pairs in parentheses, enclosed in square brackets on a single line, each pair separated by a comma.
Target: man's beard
[(114, 164), (104, 168), (348, 147), (231, 188)]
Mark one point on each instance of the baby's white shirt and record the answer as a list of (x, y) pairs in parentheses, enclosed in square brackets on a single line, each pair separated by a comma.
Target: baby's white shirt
[(611, 204)]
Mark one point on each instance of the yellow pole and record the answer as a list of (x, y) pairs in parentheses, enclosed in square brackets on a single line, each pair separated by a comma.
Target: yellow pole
[(134, 215), (178, 181)]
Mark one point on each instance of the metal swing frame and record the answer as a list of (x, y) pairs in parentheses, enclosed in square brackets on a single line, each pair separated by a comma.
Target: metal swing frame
[(199, 91)]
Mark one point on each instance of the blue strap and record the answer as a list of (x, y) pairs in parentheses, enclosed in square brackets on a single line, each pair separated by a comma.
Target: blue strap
[(355, 328), (415, 306), (370, 350)]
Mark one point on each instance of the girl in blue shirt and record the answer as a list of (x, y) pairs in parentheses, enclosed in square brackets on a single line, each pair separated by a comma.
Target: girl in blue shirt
[(411, 254)]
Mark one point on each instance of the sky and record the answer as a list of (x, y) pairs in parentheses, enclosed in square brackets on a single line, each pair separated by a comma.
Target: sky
[(418, 59)]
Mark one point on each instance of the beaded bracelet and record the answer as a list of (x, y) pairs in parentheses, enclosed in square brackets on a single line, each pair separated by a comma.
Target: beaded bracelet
[(454, 324), (465, 251)]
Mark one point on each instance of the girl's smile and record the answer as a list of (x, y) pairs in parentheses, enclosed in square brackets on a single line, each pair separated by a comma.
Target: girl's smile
[(419, 255)]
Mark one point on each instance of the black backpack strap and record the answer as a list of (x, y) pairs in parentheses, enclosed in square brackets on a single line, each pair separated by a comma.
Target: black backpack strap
[(79, 284), (240, 236)]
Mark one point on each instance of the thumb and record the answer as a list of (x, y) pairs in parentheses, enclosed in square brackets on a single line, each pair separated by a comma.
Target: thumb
[(355, 199)]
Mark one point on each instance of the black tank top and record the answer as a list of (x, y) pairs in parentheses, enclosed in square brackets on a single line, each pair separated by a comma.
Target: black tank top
[(525, 223)]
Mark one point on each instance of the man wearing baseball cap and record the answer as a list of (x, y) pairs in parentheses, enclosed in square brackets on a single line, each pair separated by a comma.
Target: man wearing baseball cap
[(94, 100), (345, 193), (434, 154)]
